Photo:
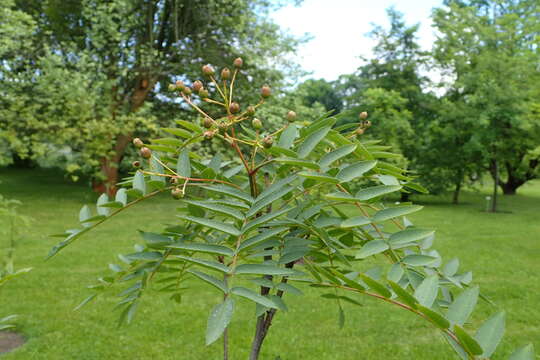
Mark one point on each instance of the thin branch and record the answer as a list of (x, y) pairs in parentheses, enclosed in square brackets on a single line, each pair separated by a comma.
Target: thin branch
[(188, 100), (208, 100), (246, 142), (254, 171), (253, 154), (397, 223), (392, 254), (238, 151), (164, 165), (189, 178), (232, 85), (279, 130), (219, 89), (270, 315), (394, 302), (97, 223)]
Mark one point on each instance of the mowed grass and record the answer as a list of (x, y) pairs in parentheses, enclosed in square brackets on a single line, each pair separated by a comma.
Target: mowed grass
[(502, 250)]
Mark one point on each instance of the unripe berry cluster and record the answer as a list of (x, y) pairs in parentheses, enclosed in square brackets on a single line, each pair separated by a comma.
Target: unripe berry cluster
[(224, 125), (364, 123)]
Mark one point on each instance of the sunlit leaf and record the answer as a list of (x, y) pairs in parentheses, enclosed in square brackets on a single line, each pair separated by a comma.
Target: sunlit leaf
[(467, 341), (216, 225), (372, 247), (319, 177), (219, 319), (183, 164), (462, 307), (220, 284), (229, 190), (355, 221), (418, 260), (139, 183), (389, 213), (204, 248), (355, 170), (335, 155), (287, 137), (217, 208), (409, 235), (427, 291), (523, 353), (264, 269), (253, 296), (297, 162), (490, 333), (305, 148), (376, 191)]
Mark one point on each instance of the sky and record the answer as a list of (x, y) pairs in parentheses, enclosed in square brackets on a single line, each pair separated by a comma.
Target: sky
[(338, 29)]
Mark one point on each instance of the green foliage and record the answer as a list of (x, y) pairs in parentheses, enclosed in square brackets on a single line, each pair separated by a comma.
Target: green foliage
[(16, 29), (321, 92), (393, 89), (488, 49), (389, 112), (455, 131), (119, 57), (279, 220), (11, 225)]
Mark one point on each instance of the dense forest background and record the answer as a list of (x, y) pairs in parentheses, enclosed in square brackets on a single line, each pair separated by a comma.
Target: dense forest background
[(80, 78)]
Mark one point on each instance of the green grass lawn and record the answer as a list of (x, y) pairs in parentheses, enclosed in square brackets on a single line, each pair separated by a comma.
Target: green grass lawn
[(502, 250)]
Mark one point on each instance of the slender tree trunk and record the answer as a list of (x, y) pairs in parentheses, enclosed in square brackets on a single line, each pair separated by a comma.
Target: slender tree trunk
[(495, 185), (260, 327), (455, 197), (226, 331), (109, 166), (512, 182), (509, 188), (258, 339), (264, 322), (226, 344)]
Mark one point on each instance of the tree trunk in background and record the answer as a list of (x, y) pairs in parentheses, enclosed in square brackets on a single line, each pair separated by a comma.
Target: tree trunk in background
[(513, 182), (457, 189), (23, 163), (495, 174), (109, 166), (509, 187), (455, 197)]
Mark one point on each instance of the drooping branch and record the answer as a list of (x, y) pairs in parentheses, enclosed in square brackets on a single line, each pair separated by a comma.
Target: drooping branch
[(401, 305), (77, 235)]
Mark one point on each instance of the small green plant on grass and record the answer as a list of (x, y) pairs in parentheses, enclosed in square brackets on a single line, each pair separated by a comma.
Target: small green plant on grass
[(11, 224), (278, 215)]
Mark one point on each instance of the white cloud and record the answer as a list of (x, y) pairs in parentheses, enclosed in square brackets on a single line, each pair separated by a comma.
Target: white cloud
[(339, 27)]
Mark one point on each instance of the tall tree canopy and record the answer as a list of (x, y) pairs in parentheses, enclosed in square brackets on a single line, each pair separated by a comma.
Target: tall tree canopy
[(392, 87), (101, 65), (489, 51), (323, 92)]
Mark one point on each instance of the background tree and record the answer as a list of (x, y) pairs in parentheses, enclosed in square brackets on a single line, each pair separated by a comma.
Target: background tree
[(125, 51), (392, 84), (16, 30), (488, 50), (322, 92), (452, 152), (12, 225)]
